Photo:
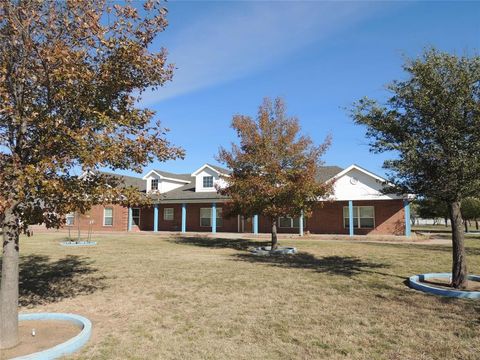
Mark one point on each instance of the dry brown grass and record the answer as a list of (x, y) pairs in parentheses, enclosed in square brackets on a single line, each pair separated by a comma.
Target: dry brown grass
[(156, 298)]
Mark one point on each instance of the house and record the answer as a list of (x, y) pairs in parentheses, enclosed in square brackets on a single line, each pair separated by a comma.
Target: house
[(186, 202)]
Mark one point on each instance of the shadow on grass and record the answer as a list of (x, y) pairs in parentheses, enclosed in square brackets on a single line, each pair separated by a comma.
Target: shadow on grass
[(335, 265), (338, 265), (216, 243), (447, 248), (43, 281)]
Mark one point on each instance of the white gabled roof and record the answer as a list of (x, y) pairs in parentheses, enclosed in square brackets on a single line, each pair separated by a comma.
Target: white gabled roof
[(356, 167), (162, 177), (211, 167)]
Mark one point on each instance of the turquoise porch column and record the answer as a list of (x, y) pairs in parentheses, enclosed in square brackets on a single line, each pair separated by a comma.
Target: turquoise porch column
[(214, 218), (408, 224), (130, 219), (184, 218), (350, 216), (300, 231), (155, 218), (255, 224)]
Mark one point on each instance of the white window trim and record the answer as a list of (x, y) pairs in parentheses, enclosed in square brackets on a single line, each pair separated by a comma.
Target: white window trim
[(151, 184), (70, 215), (104, 217), (165, 213), (203, 182), (358, 217), (209, 226), (139, 216), (291, 223)]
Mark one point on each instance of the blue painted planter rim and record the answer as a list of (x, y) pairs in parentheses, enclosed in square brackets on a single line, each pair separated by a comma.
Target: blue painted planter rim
[(415, 282), (78, 243), (69, 346)]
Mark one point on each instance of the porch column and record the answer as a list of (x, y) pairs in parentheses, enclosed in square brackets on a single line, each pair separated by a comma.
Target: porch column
[(130, 219), (255, 224), (408, 229), (214, 218), (301, 224), (155, 218), (184, 218), (350, 216)]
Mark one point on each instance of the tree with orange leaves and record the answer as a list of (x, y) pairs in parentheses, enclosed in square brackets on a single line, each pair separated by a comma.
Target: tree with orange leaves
[(70, 76), (274, 168)]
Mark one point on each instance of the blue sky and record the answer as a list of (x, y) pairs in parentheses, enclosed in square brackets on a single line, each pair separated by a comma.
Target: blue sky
[(319, 56)]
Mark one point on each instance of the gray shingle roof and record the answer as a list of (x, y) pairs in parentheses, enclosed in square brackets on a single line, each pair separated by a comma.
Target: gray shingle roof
[(220, 169), (126, 180), (186, 177), (327, 172), (187, 191)]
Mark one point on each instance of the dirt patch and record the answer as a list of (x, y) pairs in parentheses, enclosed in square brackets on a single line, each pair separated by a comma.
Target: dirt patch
[(444, 283), (48, 333)]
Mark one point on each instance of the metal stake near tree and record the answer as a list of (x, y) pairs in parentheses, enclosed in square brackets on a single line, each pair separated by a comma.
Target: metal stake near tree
[(70, 75), (432, 124)]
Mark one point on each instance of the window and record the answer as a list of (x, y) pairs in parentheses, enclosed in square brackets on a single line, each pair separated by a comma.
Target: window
[(168, 214), (288, 222), (208, 181), (154, 184), (108, 217), (136, 216), (70, 219), (363, 217), (206, 217)]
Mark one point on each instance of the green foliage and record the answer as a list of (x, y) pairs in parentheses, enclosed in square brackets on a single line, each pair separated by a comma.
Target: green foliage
[(471, 208), (274, 167), (70, 75), (431, 123), (432, 209)]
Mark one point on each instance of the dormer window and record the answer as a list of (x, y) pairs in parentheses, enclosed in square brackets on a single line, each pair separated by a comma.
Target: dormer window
[(208, 181), (154, 184)]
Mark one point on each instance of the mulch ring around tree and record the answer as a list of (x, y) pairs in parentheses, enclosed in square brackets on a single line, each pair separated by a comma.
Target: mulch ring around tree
[(444, 283), (48, 333)]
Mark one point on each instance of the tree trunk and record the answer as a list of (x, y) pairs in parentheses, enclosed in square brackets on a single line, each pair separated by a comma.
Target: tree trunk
[(466, 226), (459, 266), (446, 222), (274, 234), (476, 223), (9, 284)]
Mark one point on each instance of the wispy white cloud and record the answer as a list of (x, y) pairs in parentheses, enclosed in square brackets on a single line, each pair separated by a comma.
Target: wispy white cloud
[(239, 40)]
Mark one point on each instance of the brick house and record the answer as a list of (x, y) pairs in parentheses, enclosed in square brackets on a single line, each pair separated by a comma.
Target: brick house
[(186, 202)]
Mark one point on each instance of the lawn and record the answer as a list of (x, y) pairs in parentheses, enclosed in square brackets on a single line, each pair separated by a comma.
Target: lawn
[(190, 298)]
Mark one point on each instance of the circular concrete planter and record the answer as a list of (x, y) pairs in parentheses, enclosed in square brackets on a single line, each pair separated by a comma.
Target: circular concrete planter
[(415, 282), (69, 346), (78, 243), (281, 250)]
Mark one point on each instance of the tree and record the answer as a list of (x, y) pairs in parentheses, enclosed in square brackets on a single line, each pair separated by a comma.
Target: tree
[(432, 124), (273, 167), (70, 76), (432, 209), (470, 211)]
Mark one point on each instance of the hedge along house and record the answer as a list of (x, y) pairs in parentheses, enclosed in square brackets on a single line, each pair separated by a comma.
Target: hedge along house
[(190, 203)]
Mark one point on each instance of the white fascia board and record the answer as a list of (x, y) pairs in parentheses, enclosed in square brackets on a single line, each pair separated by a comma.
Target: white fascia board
[(195, 173), (356, 167), (163, 177)]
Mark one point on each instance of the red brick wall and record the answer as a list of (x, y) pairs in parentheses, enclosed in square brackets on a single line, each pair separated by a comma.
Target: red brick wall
[(326, 219), (120, 219), (389, 219)]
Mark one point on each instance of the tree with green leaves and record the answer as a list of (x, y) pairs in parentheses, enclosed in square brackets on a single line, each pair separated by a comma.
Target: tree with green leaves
[(274, 167), (470, 211), (431, 122), (432, 209), (70, 77)]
